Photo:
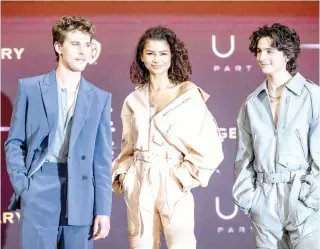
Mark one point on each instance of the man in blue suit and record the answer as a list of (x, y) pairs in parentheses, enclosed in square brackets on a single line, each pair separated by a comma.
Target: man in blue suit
[(58, 150)]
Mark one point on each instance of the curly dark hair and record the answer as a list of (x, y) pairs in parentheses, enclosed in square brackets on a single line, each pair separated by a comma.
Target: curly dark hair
[(180, 69), (70, 23), (284, 39)]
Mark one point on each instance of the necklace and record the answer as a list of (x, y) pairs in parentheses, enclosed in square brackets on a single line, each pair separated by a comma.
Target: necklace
[(274, 99), (153, 105)]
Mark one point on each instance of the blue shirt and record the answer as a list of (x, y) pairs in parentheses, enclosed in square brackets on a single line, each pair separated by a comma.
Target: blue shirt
[(60, 146)]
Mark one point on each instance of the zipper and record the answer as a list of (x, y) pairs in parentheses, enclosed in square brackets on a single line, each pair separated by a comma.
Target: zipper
[(184, 101), (301, 143), (276, 128), (286, 112)]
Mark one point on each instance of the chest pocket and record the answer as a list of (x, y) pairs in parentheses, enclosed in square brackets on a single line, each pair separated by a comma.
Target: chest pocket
[(293, 162)]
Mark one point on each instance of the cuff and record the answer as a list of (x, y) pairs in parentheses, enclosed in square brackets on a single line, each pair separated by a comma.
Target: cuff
[(185, 178)]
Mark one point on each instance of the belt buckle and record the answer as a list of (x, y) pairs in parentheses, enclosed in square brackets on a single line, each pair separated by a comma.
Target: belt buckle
[(276, 178)]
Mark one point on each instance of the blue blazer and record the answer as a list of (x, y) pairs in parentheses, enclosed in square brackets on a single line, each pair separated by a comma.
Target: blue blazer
[(33, 126)]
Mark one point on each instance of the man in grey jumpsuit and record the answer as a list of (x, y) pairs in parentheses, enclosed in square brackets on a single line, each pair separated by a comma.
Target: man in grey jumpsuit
[(277, 180)]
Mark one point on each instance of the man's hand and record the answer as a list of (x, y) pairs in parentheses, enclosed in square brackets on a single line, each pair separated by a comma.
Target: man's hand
[(101, 227)]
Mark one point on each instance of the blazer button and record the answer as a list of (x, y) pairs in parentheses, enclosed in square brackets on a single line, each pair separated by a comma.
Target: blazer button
[(83, 157), (84, 177)]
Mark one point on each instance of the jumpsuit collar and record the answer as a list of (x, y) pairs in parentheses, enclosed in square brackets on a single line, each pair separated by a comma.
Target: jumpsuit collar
[(295, 85)]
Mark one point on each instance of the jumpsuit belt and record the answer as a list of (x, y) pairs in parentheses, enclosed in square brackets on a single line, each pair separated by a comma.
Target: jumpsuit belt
[(294, 177), (280, 177), (155, 155), (152, 159)]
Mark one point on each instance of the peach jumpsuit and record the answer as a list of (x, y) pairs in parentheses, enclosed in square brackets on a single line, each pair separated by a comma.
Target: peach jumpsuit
[(156, 173)]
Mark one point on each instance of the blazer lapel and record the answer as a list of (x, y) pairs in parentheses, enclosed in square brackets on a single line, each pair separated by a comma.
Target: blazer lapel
[(82, 108), (50, 99)]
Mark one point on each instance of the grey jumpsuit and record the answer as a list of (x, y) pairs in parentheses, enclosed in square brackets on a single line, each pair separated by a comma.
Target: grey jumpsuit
[(277, 168)]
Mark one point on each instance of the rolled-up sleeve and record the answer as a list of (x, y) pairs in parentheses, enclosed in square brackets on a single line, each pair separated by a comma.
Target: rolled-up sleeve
[(310, 189), (245, 176), (204, 154)]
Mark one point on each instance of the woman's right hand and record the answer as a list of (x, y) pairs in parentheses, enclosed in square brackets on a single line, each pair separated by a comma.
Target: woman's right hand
[(121, 178)]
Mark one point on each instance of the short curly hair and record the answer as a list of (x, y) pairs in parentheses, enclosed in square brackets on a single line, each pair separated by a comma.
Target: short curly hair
[(284, 39), (180, 69), (70, 23)]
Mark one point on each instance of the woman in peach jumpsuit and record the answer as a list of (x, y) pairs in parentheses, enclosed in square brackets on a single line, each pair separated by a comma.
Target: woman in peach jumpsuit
[(170, 144)]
